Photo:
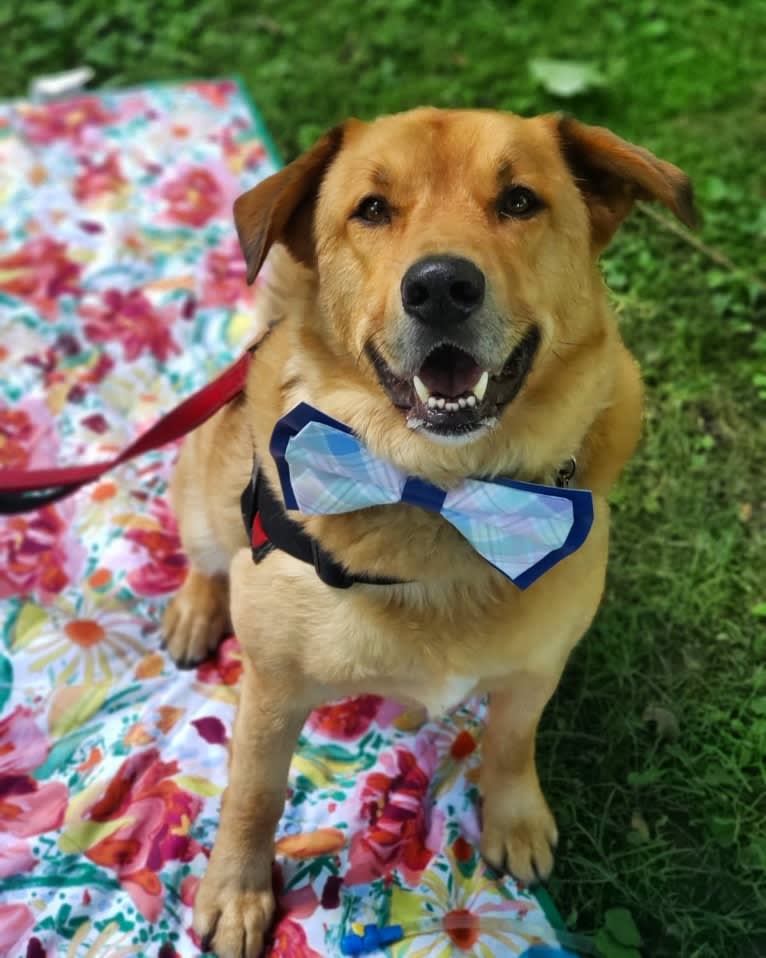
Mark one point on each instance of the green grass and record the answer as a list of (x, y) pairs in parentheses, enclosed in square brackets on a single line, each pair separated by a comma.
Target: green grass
[(670, 821)]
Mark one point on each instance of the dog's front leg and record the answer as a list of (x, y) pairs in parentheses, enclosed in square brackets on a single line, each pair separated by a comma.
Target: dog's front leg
[(235, 903), (519, 832)]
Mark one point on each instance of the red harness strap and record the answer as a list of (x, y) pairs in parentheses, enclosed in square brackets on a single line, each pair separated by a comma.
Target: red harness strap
[(22, 490)]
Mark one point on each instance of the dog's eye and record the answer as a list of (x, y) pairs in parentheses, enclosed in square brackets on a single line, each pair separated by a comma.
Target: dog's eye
[(374, 210), (518, 202)]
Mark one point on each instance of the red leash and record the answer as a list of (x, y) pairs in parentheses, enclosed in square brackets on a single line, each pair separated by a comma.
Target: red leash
[(22, 490)]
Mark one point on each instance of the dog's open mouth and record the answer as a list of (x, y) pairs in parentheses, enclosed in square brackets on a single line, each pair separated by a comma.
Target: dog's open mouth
[(452, 394)]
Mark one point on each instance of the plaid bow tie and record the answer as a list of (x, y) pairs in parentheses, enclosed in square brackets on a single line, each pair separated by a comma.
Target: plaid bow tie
[(520, 528)]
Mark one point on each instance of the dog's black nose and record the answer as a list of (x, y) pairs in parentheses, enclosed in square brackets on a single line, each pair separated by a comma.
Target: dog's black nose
[(442, 290)]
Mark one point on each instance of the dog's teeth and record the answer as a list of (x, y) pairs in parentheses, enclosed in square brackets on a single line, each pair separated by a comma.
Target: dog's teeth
[(471, 400), (441, 403), (452, 407), (421, 389), (462, 402), (432, 401), (481, 386)]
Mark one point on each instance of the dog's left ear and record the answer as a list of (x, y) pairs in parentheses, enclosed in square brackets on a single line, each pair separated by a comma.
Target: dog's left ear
[(279, 209), (612, 173)]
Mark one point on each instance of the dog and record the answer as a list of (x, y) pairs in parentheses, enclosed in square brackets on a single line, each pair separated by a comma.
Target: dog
[(435, 288)]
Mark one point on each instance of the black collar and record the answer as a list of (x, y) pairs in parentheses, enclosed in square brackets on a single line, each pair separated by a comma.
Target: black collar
[(269, 527)]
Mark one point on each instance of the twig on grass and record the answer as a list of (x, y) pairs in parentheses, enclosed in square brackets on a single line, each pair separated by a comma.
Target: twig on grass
[(711, 252)]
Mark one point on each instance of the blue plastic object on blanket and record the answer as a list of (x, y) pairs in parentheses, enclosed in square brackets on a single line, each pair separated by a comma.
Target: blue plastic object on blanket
[(547, 951), (373, 938)]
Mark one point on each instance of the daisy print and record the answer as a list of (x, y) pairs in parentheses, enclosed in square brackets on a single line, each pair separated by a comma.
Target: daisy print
[(456, 741), (80, 639), (458, 908)]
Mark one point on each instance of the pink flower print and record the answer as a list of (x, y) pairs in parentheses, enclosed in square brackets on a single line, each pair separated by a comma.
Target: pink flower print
[(27, 807)]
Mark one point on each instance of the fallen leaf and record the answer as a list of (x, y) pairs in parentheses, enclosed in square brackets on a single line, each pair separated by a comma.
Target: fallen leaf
[(608, 947), (664, 719), (566, 78), (644, 778), (638, 824), (621, 926)]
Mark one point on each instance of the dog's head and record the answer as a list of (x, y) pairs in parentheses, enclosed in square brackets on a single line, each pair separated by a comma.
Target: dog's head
[(452, 247)]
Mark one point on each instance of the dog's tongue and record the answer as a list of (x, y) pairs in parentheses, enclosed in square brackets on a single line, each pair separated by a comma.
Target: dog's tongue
[(449, 372)]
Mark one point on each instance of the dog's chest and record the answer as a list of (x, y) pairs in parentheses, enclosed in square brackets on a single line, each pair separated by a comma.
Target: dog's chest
[(440, 697)]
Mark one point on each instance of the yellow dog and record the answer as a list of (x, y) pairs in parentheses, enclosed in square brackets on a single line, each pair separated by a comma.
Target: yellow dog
[(436, 288)]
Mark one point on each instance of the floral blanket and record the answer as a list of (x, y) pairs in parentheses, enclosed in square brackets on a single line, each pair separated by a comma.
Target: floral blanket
[(122, 290)]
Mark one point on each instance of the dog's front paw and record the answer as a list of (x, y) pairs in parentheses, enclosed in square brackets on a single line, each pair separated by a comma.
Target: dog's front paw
[(196, 619), (232, 921), (518, 836)]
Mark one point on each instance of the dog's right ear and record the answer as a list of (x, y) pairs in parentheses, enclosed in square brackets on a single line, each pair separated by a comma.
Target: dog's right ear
[(279, 209)]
